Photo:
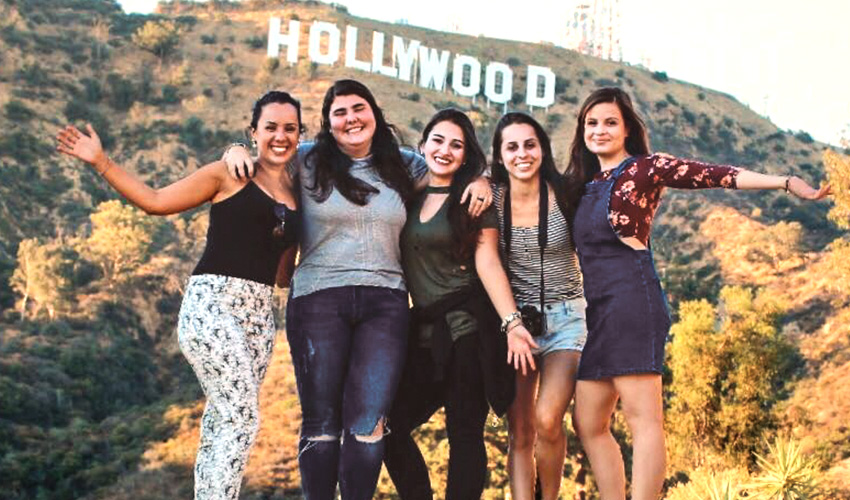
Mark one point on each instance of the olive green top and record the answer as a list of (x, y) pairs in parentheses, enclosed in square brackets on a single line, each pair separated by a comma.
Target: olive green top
[(431, 270)]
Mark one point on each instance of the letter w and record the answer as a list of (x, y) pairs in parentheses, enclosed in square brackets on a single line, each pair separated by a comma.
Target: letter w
[(433, 66)]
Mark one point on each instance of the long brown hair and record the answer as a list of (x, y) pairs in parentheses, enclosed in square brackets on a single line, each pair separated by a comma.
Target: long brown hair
[(584, 164), (465, 229), (332, 166), (548, 174)]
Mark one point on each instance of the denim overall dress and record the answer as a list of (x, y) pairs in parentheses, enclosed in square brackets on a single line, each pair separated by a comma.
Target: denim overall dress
[(627, 315)]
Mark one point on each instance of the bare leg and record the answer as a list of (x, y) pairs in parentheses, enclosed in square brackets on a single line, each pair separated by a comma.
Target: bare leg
[(595, 403), (640, 399), (521, 437), (557, 385)]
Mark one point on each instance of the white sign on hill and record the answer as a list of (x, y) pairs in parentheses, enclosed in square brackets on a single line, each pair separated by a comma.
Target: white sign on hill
[(410, 59)]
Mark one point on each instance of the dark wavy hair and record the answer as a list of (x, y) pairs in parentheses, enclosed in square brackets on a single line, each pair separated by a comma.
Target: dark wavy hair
[(465, 229), (279, 97), (584, 164), (332, 165), (548, 172)]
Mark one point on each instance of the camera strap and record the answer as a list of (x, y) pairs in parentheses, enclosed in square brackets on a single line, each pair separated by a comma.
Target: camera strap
[(542, 231)]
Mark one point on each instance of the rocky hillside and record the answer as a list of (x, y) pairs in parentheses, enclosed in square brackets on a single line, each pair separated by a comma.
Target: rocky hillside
[(168, 91)]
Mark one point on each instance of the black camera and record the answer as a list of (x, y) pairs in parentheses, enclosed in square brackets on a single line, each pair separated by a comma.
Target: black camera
[(532, 318)]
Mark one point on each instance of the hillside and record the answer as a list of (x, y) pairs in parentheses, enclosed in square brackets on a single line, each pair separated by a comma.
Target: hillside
[(96, 402)]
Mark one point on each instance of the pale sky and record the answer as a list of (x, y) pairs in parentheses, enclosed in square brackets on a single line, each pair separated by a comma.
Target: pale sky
[(786, 59)]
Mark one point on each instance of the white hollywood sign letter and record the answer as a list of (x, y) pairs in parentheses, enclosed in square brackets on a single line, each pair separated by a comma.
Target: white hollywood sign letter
[(276, 39), (474, 86), (351, 50), (535, 73), (378, 56), (405, 57), (316, 30), (432, 67), (493, 69)]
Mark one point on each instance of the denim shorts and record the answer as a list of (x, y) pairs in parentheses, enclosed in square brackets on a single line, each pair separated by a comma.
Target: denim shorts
[(566, 327)]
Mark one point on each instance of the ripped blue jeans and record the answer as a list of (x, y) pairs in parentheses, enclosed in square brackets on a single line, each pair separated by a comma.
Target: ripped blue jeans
[(348, 349)]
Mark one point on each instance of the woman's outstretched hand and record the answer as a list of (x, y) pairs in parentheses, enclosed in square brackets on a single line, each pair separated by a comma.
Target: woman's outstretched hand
[(520, 343), (74, 143), (801, 189)]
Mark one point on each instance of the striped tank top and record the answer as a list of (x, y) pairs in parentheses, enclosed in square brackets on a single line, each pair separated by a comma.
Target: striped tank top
[(561, 273)]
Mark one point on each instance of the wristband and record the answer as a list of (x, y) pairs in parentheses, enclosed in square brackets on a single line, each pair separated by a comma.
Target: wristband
[(787, 183), (516, 315), (108, 166), (513, 327)]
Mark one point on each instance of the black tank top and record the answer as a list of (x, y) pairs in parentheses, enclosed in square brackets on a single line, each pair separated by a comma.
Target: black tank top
[(240, 240)]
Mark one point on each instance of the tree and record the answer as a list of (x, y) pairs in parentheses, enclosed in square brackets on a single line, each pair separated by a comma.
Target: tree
[(44, 275), (120, 240), (838, 176), (838, 264), (776, 243), (158, 37), (729, 366)]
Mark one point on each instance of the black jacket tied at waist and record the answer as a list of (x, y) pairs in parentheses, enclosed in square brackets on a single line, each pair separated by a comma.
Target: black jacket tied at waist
[(493, 347)]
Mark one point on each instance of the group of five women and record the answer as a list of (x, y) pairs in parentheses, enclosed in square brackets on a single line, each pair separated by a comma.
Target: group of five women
[(526, 291)]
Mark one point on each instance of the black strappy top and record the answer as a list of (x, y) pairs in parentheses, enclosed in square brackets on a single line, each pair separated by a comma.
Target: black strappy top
[(240, 239)]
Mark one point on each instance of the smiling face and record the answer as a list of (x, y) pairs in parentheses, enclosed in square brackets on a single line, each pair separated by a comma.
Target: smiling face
[(277, 133), (352, 124), (605, 131), (521, 152), (444, 151)]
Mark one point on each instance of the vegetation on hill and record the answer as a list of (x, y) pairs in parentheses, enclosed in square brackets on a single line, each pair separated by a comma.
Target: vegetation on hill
[(95, 399)]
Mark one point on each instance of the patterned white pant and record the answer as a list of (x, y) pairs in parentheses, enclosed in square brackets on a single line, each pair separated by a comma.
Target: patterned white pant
[(226, 331)]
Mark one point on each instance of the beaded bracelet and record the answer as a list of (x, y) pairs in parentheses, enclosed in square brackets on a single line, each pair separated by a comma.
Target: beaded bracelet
[(516, 315)]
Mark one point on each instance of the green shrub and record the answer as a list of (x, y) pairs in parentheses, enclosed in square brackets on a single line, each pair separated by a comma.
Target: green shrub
[(553, 120), (660, 76), (256, 42), (33, 75), (92, 91), (170, 94), (561, 85), (804, 137), (416, 124), (18, 112), (23, 147), (122, 92)]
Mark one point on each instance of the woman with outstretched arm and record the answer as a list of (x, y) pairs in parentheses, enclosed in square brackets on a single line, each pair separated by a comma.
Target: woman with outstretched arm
[(616, 185), (226, 328)]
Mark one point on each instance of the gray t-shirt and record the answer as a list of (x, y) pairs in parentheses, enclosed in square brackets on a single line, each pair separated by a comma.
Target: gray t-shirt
[(344, 244)]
